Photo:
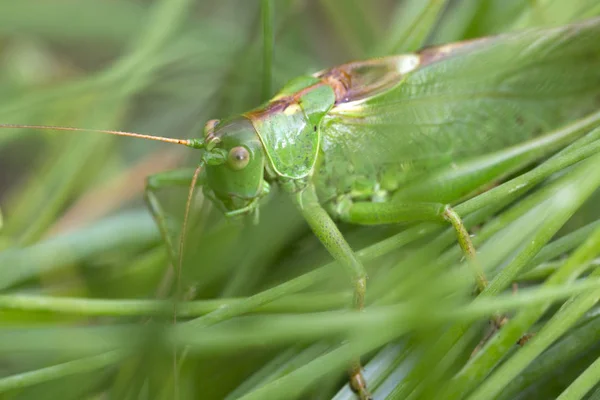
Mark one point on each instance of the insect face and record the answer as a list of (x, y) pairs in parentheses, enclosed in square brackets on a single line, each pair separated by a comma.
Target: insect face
[(236, 182)]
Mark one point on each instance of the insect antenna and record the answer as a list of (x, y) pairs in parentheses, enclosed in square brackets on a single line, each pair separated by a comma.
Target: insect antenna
[(194, 143), (188, 206)]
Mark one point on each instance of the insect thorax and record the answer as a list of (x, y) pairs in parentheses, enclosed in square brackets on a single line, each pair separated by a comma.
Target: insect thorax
[(339, 180), (288, 127)]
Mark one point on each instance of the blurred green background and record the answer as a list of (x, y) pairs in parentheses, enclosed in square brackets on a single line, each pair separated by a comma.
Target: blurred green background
[(75, 225)]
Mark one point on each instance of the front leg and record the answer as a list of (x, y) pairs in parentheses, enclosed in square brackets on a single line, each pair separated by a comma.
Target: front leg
[(154, 183), (331, 237)]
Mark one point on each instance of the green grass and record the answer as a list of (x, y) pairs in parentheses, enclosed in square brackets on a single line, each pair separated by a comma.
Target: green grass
[(87, 302)]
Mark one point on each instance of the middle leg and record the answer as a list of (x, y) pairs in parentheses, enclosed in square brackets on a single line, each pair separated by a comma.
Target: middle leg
[(331, 237)]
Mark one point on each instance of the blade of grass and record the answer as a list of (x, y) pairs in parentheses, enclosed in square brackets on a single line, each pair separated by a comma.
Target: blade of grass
[(87, 364), (412, 26), (267, 20), (545, 228), (583, 384), (569, 347), (135, 228), (521, 322)]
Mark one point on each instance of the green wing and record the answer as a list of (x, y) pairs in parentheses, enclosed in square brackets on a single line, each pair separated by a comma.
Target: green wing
[(456, 101)]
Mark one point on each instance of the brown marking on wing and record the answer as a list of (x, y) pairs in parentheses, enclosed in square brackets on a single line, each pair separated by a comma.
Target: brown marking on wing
[(430, 55), (340, 81), (273, 107), (282, 103), (360, 79)]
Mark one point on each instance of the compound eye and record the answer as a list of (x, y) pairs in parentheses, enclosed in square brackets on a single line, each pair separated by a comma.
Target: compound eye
[(238, 158)]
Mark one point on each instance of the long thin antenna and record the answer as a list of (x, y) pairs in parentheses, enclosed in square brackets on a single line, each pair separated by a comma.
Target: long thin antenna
[(188, 205), (195, 143)]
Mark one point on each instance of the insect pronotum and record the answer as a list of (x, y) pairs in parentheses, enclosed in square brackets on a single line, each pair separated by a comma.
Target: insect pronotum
[(401, 123)]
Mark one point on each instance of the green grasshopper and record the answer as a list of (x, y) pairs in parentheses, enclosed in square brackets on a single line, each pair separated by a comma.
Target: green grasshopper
[(395, 139)]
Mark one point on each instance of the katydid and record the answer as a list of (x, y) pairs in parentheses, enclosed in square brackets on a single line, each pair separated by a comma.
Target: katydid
[(396, 139)]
